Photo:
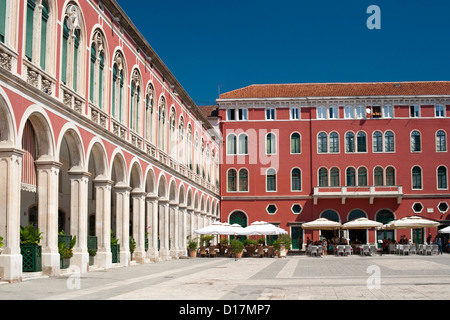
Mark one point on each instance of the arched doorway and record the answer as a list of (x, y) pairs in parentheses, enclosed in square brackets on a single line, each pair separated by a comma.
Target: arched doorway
[(356, 235), (385, 216), (240, 218), (333, 216)]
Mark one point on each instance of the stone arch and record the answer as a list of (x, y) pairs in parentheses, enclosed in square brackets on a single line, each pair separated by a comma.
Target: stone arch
[(150, 182), (190, 199), (173, 191), (118, 170), (7, 125), (182, 195), (70, 139), (135, 176), (162, 187), (97, 161)]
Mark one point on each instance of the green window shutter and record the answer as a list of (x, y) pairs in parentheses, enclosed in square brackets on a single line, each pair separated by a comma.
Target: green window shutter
[(114, 86), (92, 76), (44, 34), (100, 80), (64, 52), (132, 107), (29, 29), (75, 59), (2, 20), (121, 97)]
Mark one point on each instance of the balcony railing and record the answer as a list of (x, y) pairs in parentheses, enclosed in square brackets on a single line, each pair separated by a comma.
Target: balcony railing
[(370, 192)]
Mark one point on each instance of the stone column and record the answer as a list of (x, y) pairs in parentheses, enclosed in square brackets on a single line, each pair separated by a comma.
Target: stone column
[(10, 177), (138, 199), (152, 219), (123, 223), (47, 189), (103, 257), (173, 232), (182, 231), (164, 229), (79, 218)]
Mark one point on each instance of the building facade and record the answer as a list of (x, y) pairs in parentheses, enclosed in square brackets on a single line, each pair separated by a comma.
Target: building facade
[(97, 137), (293, 153)]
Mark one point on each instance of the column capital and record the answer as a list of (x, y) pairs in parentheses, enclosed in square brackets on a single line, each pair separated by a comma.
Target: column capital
[(8, 152), (47, 164), (79, 174), (151, 197)]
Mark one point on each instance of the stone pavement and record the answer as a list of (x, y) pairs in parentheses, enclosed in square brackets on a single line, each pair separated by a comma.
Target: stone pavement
[(388, 277)]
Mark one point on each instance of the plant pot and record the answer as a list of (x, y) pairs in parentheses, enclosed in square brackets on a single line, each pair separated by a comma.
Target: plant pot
[(31, 258), (193, 253), (64, 263), (115, 250), (239, 254), (91, 260)]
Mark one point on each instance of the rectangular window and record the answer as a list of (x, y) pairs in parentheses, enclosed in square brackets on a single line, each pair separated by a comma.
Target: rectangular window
[(270, 114), (231, 114), (29, 31), (349, 112), (333, 112), (321, 113), (242, 114), (295, 113), (440, 111), (388, 112), (414, 111), (360, 112), (376, 112)]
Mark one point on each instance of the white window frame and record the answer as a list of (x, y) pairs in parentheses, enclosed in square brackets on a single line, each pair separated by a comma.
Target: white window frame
[(294, 113)]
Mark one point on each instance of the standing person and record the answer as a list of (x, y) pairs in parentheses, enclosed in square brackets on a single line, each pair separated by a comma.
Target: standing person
[(324, 247), (429, 238), (439, 243)]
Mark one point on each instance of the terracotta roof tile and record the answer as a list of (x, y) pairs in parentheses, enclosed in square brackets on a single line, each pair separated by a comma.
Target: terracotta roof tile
[(340, 90), (209, 111)]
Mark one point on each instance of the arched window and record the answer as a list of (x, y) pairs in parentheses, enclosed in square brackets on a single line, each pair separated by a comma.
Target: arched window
[(390, 176), (356, 214), (243, 180), (37, 31), (181, 146), (351, 177), (172, 150), (296, 178), (243, 143), (389, 141), (334, 177), (417, 178), (232, 183), (135, 100), (334, 142), (349, 142), (97, 78), (415, 141), (442, 177), (189, 147), (378, 176), (377, 141), (231, 144), (162, 123), (362, 142), (441, 141), (330, 215), (295, 143), (323, 177), (149, 104), (72, 48), (322, 143), (271, 144), (271, 180), (362, 177)]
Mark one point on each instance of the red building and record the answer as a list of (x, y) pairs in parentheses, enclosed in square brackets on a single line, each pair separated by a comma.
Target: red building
[(295, 152)]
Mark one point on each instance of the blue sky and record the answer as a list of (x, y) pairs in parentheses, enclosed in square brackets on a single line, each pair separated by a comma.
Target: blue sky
[(234, 43)]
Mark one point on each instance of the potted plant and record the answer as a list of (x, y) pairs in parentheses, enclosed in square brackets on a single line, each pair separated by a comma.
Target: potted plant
[(92, 254), (1, 244), (30, 249), (132, 246), (237, 247), (65, 249), (115, 248), (283, 243), (193, 245), (206, 239)]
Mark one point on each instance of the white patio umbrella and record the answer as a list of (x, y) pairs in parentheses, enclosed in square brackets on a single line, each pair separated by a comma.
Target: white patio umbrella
[(413, 222), (262, 228), (321, 224), (361, 223), (215, 228), (445, 230)]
